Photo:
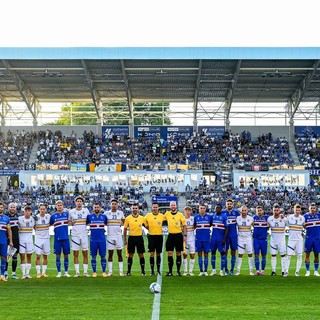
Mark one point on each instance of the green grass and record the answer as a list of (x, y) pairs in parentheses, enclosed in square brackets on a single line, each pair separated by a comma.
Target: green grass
[(242, 297)]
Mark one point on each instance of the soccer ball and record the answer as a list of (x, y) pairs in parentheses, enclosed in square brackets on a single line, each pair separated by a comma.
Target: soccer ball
[(155, 287)]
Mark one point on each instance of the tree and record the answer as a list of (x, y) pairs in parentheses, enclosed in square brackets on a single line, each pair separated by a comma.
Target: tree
[(114, 114)]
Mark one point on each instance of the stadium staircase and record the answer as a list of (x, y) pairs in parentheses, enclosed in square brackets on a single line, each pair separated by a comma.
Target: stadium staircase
[(293, 152), (33, 153)]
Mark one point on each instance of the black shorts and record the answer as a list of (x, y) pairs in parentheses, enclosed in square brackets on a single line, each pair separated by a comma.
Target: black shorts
[(135, 242), (174, 241), (16, 244), (155, 243)]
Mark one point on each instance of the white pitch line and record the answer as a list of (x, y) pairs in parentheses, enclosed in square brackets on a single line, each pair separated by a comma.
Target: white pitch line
[(157, 296)]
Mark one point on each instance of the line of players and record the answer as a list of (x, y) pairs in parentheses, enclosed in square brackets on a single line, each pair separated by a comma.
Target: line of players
[(233, 230), (187, 234)]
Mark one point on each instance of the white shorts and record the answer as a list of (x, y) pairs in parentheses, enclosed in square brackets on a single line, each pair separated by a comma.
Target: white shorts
[(42, 246), (79, 242), (245, 246), (190, 247), (276, 247), (294, 247), (26, 247), (115, 243)]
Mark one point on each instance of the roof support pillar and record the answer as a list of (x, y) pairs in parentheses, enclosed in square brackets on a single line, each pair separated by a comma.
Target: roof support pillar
[(196, 99)]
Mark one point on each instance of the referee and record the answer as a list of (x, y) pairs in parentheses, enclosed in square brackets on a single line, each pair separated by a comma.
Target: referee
[(153, 222), (177, 235), (134, 222)]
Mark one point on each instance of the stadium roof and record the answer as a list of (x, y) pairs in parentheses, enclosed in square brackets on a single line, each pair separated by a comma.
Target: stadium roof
[(228, 75)]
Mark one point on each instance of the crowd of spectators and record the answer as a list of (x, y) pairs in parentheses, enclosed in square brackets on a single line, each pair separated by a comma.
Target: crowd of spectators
[(308, 150), (15, 149)]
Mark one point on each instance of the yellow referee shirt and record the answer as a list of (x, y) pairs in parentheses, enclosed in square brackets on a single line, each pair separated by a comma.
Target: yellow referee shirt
[(175, 221), (154, 223), (134, 224)]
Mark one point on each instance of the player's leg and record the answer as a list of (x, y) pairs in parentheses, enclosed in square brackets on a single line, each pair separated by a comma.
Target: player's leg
[(200, 259), (241, 251), (3, 256), (291, 248), (66, 252), (179, 249), (141, 251), (299, 250), (249, 249), (23, 259), (84, 246), (57, 250), (38, 265), (169, 249), (46, 252), (316, 250), (151, 249), (256, 247), (185, 262), (131, 250), (159, 246), (283, 251), (75, 247), (119, 247), (28, 264), (110, 258), (192, 251), (234, 248), (213, 248), (308, 247), (273, 252), (103, 252), (16, 245), (264, 250), (228, 243), (93, 253)]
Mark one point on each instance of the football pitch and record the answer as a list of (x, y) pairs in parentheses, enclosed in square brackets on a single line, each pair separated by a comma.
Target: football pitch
[(233, 297)]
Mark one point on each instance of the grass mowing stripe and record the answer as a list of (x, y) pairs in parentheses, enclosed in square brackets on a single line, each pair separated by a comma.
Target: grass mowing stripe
[(157, 296)]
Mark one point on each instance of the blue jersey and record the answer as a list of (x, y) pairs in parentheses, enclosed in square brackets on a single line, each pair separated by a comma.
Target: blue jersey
[(14, 225), (96, 224), (60, 222), (202, 226), (232, 221), (4, 225), (312, 225), (260, 227), (219, 225)]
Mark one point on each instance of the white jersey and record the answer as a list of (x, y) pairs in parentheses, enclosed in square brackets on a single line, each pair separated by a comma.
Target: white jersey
[(78, 220), (42, 226), (244, 227), (190, 229), (278, 228), (296, 227), (114, 223), (26, 229)]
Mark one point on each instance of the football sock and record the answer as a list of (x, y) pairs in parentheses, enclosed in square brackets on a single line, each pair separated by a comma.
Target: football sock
[(288, 262), (185, 265), (250, 259), (223, 262), (110, 267), (158, 263), (263, 262), (77, 267), (200, 262), (58, 264), (151, 259), (233, 262), (283, 263), (3, 265), (129, 264), (213, 261), (85, 268), (14, 263), (44, 268), (170, 263), (257, 263), (273, 263), (103, 263), (142, 263), (191, 265), (94, 263), (66, 264), (239, 264), (299, 262), (23, 269), (316, 266), (206, 262), (120, 267), (178, 263), (308, 266), (38, 269)]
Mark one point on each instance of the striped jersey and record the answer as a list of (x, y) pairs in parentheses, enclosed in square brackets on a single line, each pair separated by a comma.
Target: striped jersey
[(312, 225), (115, 220), (4, 225), (202, 226), (190, 228), (78, 220), (42, 226), (244, 227), (219, 225), (278, 228), (260, 227), (60, 222), (26, 226), (232, 221), (96, 224), (296, 227), (14, 224)]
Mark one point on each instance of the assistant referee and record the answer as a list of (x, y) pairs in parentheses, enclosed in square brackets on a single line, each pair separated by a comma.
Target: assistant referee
[(177, 235)]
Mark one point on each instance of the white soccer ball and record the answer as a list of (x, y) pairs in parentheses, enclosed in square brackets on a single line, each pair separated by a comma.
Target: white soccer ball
[(155, 287)]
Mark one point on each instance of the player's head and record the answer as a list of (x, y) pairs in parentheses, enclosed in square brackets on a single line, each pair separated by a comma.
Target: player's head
[(27, 211), (313, 208), (79, 201), (187, 211), (173, 206), (59, 206), (12, 208), (229, 204), (259, 210), (114, 204), (96, 207), (202, 209), (43, 209), (297, 209), (135, 209), (1, 208), (276, 210), (155, 207), (244, 211), (218, 208)]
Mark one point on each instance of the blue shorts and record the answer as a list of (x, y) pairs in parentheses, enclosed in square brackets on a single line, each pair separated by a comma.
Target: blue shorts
[(98, 246), (312, 245), (260, 245), (202, 246), (61, 244), (232, 243), (216, 244), (3, 250)]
